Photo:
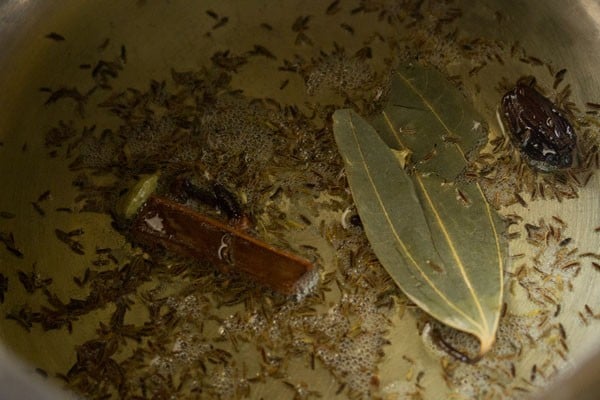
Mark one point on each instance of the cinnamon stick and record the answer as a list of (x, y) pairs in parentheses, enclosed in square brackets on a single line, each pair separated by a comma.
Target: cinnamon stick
[(170, 225)]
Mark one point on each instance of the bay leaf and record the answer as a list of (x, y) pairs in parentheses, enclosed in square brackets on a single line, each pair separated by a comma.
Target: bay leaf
[(436, 235)]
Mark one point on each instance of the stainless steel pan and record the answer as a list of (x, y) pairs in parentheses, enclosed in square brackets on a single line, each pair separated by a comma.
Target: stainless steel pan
[(164, 34)]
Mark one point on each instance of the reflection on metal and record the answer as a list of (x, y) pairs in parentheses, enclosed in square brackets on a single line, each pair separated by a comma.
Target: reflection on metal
[(592, 8)]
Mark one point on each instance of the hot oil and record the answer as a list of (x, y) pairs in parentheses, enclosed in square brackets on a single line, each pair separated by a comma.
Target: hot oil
[(150, 324)]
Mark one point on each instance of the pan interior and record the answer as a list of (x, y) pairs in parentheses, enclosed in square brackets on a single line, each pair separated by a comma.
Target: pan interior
[(241, 85)]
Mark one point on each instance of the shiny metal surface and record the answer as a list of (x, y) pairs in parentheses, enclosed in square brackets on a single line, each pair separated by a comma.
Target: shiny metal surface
[(567, 33)]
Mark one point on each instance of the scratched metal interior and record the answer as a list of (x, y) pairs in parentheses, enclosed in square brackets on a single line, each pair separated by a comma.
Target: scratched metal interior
[(163, 34)]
